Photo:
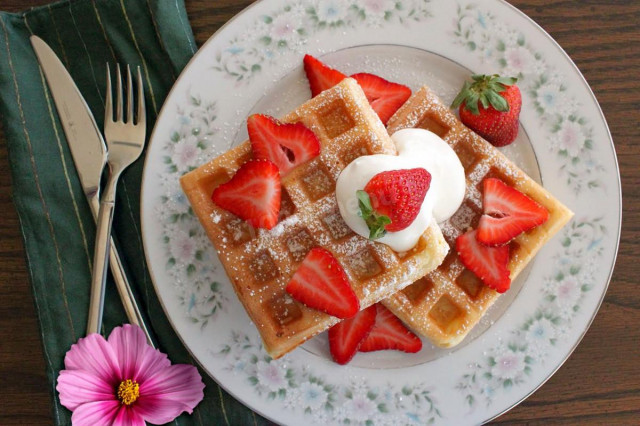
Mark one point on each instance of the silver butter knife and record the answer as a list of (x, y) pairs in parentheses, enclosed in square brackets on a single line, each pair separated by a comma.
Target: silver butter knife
[(89, 154)]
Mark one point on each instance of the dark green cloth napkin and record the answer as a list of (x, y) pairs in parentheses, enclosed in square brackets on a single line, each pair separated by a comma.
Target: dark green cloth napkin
[(57, 225)]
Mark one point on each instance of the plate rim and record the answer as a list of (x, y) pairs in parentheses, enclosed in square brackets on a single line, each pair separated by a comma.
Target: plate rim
[(619, 219), (591, 95)]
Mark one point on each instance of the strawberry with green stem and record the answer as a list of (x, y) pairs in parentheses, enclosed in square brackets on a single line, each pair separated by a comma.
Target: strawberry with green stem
[(391, 200), (490, 106)]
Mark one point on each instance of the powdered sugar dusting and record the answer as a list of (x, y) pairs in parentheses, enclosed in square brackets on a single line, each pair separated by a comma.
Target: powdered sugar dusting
[(260, 262)]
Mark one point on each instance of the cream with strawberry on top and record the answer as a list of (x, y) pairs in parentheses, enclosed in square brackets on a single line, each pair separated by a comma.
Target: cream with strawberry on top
[(392, 192)]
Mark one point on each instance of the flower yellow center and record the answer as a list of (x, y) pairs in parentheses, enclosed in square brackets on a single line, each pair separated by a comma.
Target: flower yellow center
[(128, 391)]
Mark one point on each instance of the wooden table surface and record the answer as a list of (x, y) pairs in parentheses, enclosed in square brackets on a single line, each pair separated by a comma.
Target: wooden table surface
[(599, 384)]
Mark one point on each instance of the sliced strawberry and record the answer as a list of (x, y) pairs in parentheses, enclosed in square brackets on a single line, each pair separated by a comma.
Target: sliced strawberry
[(346, 336), (320, 76), (389, 333), (384, 96), (253, 193), (488, 263), (287, 145), (321, 283), (507, 213)]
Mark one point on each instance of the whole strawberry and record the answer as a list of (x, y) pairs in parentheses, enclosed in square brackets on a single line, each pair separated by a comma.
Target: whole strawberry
[(391, 200), (490, 106)]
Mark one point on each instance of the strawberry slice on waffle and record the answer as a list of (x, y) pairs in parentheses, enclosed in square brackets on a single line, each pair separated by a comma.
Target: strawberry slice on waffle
[(384, 96), (287, 145), (388, 332), (507, 213), (253, 193), (321, 283), (346, 337)]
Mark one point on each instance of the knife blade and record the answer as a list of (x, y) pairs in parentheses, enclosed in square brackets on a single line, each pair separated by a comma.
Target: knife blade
[(89, 154)]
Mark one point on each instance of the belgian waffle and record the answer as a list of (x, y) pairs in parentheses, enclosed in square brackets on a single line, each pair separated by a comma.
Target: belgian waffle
[(260, 263), (446, 304)]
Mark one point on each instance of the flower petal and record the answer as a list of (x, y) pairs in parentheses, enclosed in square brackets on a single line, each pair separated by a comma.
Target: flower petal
[(128, 416), (157, 410), (77, 387), (167, 394), (94, 355), (152, 363), (128, 343), (95, 413), (136, 358)]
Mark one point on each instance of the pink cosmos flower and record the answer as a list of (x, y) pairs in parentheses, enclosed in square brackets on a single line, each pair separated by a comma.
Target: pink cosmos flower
[(124, 381)]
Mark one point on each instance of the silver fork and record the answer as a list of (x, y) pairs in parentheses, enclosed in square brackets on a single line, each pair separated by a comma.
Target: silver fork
[(125, 141)]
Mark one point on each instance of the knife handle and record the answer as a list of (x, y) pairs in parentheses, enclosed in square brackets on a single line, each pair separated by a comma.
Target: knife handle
[(120, 278)]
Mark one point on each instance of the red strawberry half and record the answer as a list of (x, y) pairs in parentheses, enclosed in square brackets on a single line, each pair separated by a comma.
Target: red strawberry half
[(389, 333), (391, 200), (507, 213), (321, 283), (287, 145), (346, 336), (488, 263), (320, 76), (384, 96), (253, 193), (490, 106)]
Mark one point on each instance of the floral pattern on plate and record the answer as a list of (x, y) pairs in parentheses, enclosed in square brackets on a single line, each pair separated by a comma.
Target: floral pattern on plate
[(297, 388), (190, 257), (512, 360), (289, 27)]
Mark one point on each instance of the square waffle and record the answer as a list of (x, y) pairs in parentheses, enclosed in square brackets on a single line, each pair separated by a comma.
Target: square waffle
[(261, 262), (446, 304)]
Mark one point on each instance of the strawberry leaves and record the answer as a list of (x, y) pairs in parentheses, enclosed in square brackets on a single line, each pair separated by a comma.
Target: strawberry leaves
[(375, 222), (485, 90)]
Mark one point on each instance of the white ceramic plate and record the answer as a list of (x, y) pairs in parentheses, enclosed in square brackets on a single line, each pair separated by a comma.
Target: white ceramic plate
[(254, 64)]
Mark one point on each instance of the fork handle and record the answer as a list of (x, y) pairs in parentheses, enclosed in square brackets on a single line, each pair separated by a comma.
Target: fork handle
[(101, 255), (120, 278)]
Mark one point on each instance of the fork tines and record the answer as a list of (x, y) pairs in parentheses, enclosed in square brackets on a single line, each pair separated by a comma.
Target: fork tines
[(140, 113)]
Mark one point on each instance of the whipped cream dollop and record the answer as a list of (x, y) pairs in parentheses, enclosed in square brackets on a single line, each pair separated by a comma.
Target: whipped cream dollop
[(416, 148)]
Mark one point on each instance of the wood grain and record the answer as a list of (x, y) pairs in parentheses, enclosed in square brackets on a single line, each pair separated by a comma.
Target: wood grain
[(599, 384)]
